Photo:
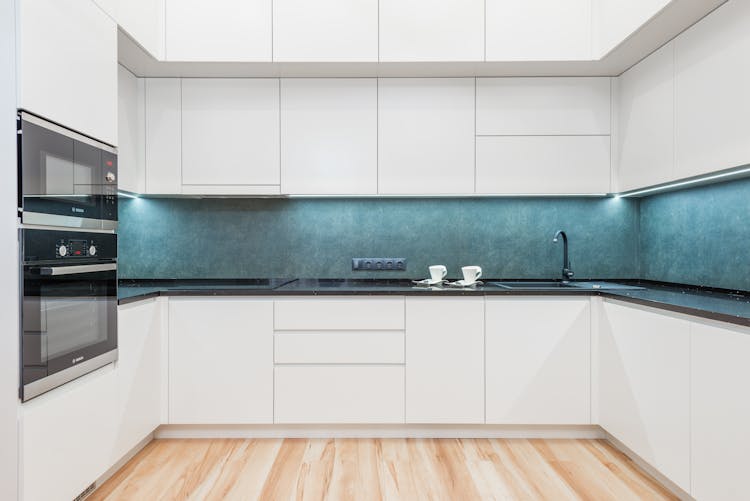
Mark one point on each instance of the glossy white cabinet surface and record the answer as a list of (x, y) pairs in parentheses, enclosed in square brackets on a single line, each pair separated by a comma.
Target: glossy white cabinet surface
[(720, 411), (543, 106), (425, 30), (712, 78), (538, 30), (644, 386), (131, 153), (325, 30), (339, 347), (426, 135), (230, 132), (445, 366), (339, 313), (538, 359), (543, 164), (218, 30), (646, 121), (163, 129), (144, 21), (220, 361), (612, 21), (67, 65), (329, 136)]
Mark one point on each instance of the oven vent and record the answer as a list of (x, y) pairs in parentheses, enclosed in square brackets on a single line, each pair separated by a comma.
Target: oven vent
[(88, 490)]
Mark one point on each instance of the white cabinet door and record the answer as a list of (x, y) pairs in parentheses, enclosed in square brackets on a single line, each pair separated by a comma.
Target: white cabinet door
[(163, 136), (444, 360), (144, 21), (220, 361), (543, 164), (67, 65), (538, 360), (329, 136), (138, 374), (425, 135), (218, 30), (646, 122), (543, 106), (425, 30), (644, 386), (538, 30), (325, 30), (230, 135), (712, 78), (66, 437), (131, 154), (720, 412)]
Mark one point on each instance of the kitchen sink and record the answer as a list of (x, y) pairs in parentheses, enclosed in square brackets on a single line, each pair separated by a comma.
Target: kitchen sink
[(530, 285), (537, 286)]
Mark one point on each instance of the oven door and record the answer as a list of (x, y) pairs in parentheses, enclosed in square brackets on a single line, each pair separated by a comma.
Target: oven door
[(69, 323), (66, 179)]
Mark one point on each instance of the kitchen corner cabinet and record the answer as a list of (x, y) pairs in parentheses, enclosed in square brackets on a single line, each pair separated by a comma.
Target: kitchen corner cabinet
[(644, 386), (220, 361), (538, 360), (163, 144), (445, 360), (67, 65), (131, 154)]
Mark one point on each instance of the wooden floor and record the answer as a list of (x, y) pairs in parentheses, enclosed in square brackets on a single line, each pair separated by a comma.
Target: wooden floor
[(364, 469)]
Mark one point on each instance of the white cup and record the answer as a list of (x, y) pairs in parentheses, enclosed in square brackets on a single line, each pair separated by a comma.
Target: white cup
[(471, 274), (438, 272)]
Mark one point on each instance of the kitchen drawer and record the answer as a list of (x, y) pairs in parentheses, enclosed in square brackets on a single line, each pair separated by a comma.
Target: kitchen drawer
[(339, 314), (339, 347), (339, 394)]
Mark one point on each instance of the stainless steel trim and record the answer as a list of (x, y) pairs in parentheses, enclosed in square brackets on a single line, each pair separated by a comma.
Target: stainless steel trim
[(42, 219), (66, 229), (52, 381), (66, 132), (77, 270), (108, 224)]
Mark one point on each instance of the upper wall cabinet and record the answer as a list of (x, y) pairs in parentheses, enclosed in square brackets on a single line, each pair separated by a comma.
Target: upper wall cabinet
[(218, 30), (425, 30), (514, 30), (612, 21), (163, 136), (230, 136), (712, 78), (67, 65), (131, 161), (143, 20), (325, 30), (329, 136)]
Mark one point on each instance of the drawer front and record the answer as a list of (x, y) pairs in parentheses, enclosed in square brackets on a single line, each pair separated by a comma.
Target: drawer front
[(339, 314), (343, 394), (339, 347)]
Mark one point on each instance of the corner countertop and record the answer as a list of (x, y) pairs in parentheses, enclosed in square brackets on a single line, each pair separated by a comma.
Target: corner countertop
[(722, 305)]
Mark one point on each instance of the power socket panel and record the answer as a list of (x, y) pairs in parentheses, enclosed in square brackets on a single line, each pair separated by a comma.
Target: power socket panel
[(379, 264)]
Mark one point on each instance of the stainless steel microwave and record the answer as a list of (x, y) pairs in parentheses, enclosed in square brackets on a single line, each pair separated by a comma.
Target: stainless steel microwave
[(65, 178)]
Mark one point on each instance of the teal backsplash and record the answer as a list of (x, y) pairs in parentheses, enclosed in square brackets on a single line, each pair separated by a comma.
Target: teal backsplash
[(249, 238)]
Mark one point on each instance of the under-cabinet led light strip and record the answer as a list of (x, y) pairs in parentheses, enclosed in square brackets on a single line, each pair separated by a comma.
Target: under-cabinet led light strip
[(678, 184)]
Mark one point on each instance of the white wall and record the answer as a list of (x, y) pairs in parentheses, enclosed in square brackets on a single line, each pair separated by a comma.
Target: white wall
[(8, 257), (612, 21)]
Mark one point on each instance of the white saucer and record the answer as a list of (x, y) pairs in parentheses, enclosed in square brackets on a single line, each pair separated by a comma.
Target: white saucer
[(464, 283), (428, 281)]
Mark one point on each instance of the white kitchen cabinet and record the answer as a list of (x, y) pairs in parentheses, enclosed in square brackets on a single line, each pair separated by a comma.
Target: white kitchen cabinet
[(720, 411), (131, 153), (538, 30), (425, 30), (144, 21), (445, 366), (163, 143), (645, 101), (339, 313), (138, 374), (644, 386), (220, 361), (339, 347), (66, 437), (426, 136), (613, 21), (543, 164), (712, 102), (538, 360), (325, 30), (543, 106), (329, 136), (230, 135), (67, 65), (218, 30)]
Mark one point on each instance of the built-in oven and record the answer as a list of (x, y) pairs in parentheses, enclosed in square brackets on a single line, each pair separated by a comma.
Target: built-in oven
[(65, 178), (68, 306)]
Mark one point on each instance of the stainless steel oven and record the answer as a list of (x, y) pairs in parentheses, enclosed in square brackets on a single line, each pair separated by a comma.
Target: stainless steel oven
[(68, 306), (65, 178)]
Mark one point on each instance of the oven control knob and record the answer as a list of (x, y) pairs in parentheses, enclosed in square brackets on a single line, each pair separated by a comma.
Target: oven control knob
[(92, 251), (110, 177), (62, 250)]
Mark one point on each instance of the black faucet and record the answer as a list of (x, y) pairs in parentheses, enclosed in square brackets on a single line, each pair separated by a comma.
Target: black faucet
[(567, 273)]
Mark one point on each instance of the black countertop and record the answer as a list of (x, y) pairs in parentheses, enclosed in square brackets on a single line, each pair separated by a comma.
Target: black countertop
[(726, 306)]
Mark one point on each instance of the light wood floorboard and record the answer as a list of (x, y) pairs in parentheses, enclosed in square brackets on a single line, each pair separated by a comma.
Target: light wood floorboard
[(374, 469)]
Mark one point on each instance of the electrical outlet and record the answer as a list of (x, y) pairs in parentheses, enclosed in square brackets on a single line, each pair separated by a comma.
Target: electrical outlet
[(379, 263)]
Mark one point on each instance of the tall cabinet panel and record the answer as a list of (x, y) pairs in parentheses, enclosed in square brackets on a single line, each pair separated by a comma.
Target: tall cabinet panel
[(163, 136), (131, 108)]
